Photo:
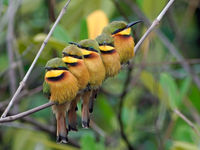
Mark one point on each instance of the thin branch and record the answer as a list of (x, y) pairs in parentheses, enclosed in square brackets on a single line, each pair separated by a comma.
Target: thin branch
[(121, 103), (153, 25), (9, 39), (187, 121), (42, 127), (23, 82), (23, 94), (26, 113), (161, 63), (167, 43), (12, 118), (97, 129)]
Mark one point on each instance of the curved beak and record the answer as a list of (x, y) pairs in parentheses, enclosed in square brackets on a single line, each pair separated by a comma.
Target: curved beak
[(133, 23), (128, 26)]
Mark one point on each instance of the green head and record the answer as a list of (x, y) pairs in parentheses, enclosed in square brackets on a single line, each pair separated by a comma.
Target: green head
[(55, 64), (105, 39), (106, 43), (117, 27), (90, 45), (72, 51)]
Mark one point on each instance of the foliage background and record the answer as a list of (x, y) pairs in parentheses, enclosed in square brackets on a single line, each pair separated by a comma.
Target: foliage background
[(155, 86)]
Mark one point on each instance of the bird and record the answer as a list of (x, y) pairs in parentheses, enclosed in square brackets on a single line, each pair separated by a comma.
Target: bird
[(61, 87), (73, 58), (123, 41), (96, 69), (109, 55)]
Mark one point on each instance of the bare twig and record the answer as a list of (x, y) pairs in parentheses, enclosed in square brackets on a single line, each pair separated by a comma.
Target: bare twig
[(11, 118), (4, 18), (10, 37), (161, 63), (26, 113), (121, 103), (167, 44), (23, 82), (187, 121), (42, 127), (153, 25), (23, 94), (97, 129)]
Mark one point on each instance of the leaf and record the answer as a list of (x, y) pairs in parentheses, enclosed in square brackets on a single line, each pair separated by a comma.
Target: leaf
[(171, 89), (87, 142), (77, 11), (105, 113), (179, 145), (96, 21), (154, 87), (53, 145), (54, 43), (60, 34), (84, 29), (20, 139), (185, 87)]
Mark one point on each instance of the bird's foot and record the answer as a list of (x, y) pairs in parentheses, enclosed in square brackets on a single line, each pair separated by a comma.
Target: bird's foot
[(61, 139), (72, 127), (85, 124)]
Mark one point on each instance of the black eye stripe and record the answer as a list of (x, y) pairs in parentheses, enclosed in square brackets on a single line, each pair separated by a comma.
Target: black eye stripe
[(55, 68), (106, 44), (75, 56), (118, 30), (89, 49)]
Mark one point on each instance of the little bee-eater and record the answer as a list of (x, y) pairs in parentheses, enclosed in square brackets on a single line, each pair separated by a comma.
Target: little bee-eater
[(73, 58), (123, 41), (60, 86), (109, 55), (93, 61)]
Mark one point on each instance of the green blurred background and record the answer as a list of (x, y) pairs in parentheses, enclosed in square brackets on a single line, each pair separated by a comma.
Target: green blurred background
[(134, 108)]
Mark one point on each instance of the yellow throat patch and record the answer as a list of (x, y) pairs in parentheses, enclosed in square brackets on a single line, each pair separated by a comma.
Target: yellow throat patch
[(54, 73), (124, 32), (106, 48), (85, 52), (69, 59)]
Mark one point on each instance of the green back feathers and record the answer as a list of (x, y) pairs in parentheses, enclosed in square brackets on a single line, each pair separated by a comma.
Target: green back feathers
[(113, 26), (73, 50), (56, 62), (105, 39)]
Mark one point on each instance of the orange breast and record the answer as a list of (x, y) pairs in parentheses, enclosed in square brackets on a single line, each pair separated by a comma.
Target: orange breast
[(96, 69), (63, 90), (80, 71), (124, 45), (112, 64)]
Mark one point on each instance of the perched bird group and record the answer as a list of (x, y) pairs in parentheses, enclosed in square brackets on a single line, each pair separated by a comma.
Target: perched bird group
[(81, 71)]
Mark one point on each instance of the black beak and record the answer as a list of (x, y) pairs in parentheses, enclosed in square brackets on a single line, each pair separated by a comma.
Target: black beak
[(128, 26), (133, 23), (74, 43)]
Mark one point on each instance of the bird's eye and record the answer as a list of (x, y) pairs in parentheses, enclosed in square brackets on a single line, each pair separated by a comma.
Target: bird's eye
[(47, 68)]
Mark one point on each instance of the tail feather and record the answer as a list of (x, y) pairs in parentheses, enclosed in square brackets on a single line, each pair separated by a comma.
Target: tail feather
[(85, 109), (92, 99), (72, 116), (61, 128)]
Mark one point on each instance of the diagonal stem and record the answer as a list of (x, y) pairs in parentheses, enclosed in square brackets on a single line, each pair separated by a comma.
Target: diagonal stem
[(153, 25), (23, 82)]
